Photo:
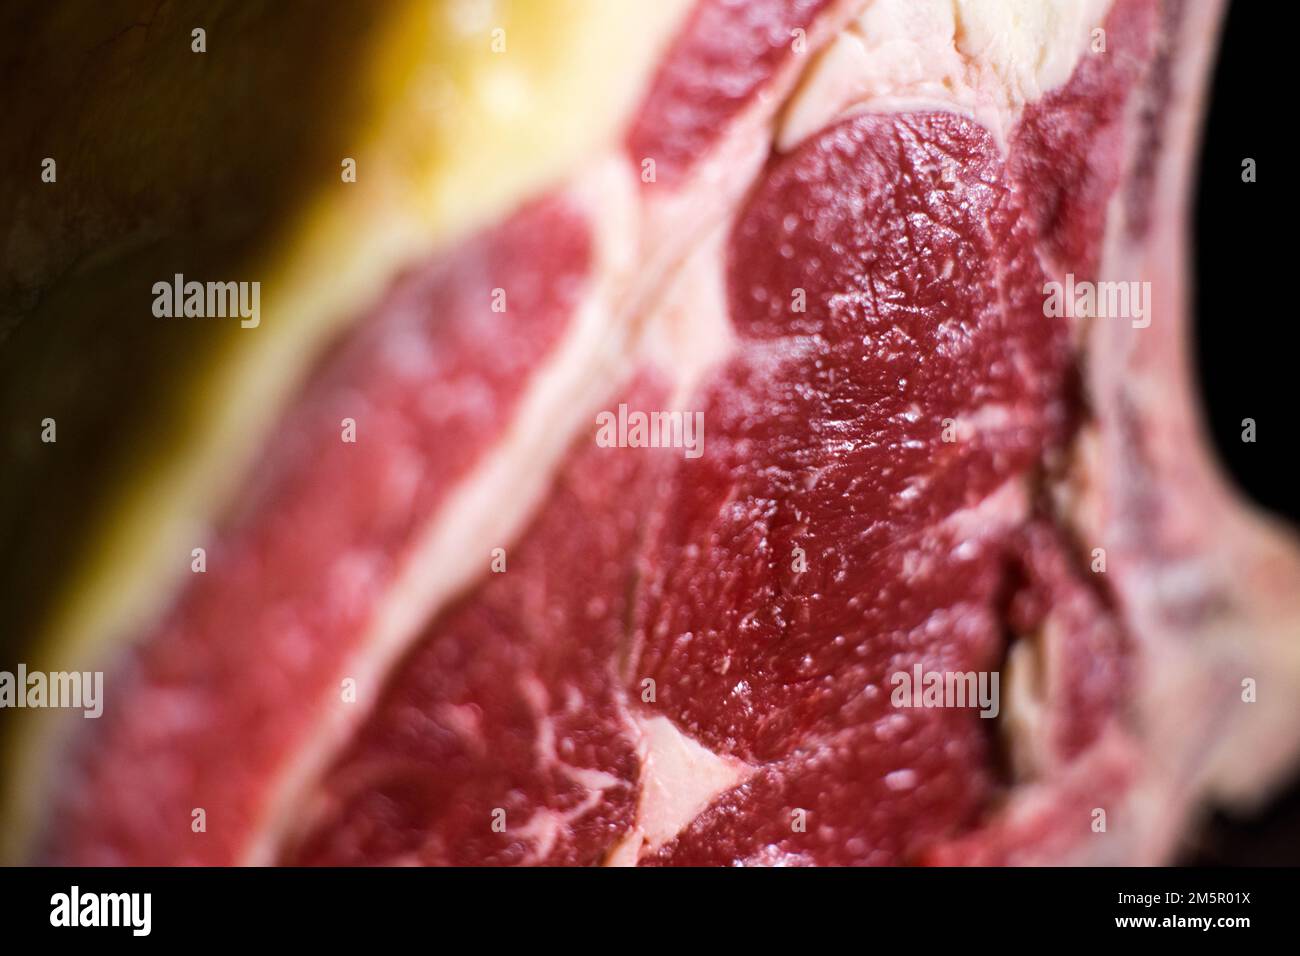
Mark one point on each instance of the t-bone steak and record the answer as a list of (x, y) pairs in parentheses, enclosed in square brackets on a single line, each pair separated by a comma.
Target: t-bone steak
[(853, 352)]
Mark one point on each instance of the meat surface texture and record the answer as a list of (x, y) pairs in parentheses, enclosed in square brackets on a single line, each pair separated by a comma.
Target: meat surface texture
[(821, 248)]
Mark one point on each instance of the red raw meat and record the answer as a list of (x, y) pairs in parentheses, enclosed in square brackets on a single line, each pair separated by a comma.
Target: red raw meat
[(689, 660)]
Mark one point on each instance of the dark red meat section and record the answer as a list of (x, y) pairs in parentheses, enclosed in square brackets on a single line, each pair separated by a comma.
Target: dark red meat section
[(923, 305), (235, 677), (1067, 146), (825, 433), (724, 55), (511, 702)]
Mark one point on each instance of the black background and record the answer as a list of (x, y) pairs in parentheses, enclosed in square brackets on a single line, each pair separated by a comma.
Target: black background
[(1245, 352), (1244, 358), (525, 911)]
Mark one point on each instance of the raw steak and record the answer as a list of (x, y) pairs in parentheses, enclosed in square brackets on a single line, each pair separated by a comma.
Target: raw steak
[(483, 633)]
